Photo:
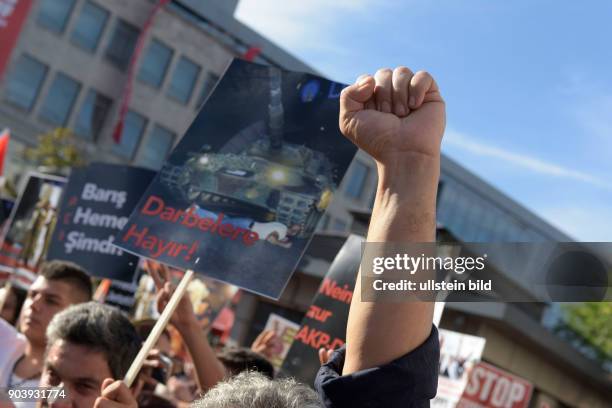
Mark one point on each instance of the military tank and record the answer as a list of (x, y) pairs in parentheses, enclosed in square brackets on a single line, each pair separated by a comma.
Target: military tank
[(258, 175)]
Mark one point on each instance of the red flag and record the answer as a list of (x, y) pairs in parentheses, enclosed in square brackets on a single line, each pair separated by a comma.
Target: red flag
[(13, 14), (127, 90), (5, 136), (251, 53)]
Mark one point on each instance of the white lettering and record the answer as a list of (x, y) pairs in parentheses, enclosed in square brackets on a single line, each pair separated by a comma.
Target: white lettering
[(91, 192), (77, 241)]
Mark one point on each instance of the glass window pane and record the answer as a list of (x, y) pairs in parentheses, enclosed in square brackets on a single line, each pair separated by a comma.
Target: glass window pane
[(89, 26), (54, 14), (207, 87), (133, 126), (183, 80), (58, 103), (339, 225), (155, 63), (122, 43), (92, 115), (157, 146), (356, 181), (24, 82)]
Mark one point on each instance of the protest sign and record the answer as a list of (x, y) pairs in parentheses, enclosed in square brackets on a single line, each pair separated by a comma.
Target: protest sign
[(119, 294), (458, 354), (96, 204), (208, 297), (285, 331), (28, 230), (492, 387), (6, 206), (240, 196), (325, 322)]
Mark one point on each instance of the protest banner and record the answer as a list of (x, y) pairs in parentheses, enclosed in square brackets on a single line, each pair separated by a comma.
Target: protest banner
[(492, 387), (6, 207), (285, 331), (119, 294), (240, 196), (208, 297), (458, 354), (28, 230), (325, 322), (96, 204)]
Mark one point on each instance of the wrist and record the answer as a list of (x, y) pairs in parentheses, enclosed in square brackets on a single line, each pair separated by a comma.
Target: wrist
[(405, 205), (188, 326), (410, 178)]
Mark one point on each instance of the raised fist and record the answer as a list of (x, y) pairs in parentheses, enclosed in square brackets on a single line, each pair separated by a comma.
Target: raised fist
[(394, 115)]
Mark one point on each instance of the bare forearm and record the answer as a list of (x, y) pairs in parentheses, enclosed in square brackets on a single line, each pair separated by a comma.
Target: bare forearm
[(404, 211), (208, 368)]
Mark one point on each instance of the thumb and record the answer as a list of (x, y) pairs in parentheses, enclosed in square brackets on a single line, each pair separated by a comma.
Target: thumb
[(354, 97)]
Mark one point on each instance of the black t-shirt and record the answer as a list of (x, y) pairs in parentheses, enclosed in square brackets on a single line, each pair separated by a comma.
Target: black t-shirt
[(410, 381)]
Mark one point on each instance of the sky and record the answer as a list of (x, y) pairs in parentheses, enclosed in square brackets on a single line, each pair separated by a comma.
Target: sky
[(528, 85)]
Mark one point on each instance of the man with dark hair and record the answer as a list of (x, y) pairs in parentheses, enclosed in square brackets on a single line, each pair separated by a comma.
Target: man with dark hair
[(239, 359), (71, 273), (59, 284), (89, 347)]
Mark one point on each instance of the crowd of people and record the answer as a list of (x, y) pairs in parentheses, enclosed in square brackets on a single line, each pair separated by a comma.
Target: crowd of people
[(56, 336)]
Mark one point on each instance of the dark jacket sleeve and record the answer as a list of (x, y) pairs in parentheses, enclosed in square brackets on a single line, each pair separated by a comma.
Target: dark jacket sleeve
[(408, 382)]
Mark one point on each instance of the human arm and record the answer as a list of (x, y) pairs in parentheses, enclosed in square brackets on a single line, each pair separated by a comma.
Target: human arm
[(399, 119), (209, 370)]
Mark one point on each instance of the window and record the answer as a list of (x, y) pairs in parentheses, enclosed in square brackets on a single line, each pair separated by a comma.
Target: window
[(207, 87), (54, 14), (133, 126), (23, 85), (89, 26), (155, 63), (92, 115), (339, 225), (183, 80), (60, 98), (357, 179), (122, 43), (154, 151)]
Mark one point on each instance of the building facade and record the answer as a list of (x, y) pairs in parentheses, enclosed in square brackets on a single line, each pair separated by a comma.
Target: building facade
[(70, 67)]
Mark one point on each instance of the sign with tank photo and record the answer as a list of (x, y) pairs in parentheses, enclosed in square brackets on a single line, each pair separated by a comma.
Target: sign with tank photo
[(240, 196), (96, 204), (27, 232)]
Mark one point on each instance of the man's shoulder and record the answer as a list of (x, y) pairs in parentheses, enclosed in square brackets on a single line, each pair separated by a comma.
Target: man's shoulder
[(408, 382)]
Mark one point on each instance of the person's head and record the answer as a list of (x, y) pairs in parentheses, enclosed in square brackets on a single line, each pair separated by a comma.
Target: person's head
[(13, 300), (253, 390), (239, 359), (86, 344), (59, 284)]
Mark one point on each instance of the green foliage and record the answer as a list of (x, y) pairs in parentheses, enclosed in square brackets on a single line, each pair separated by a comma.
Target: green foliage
[(593, 323), (56, 150)]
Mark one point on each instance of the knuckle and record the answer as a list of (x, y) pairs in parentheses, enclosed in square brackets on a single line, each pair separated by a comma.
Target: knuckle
[(384, 72), (403, 70), (425, 74)]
